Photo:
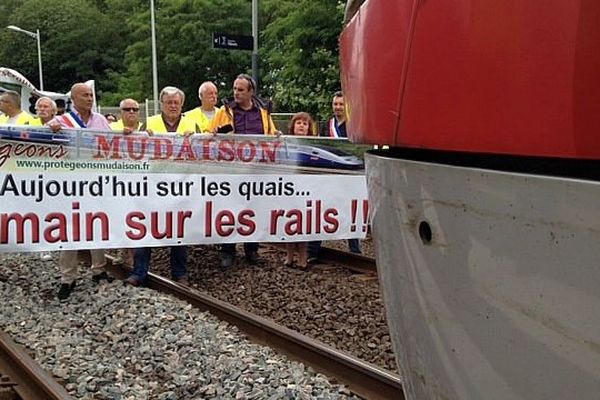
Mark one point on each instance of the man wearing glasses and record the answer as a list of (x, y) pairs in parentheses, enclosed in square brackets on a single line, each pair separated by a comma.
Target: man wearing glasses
[(130, 117)]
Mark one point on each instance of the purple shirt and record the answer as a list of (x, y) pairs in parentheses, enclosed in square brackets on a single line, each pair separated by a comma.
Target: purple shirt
[(96, 121), (247, 121)]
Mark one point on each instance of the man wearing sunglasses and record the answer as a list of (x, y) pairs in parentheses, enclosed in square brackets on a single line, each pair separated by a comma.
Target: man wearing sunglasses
[(130, 117)]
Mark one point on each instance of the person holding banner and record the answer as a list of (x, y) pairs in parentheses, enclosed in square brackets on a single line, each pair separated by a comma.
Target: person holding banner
[(10, 105), (300, 125), (204, 114), (245, 114), (81, 116), (45, 109), (170, 118), (130, 117)]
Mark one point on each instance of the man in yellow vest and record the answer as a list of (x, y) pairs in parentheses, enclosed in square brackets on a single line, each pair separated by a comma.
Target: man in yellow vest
[(45, 109), (10, 105), (246, 113), (171, 118), (204, 114), (130, 117)]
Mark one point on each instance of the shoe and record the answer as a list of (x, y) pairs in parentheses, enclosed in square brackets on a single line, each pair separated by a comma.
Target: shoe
[(252, 257), (227, 260), (304, 268), (182, 281), (132, 281), (312, 260), (65, 290), (288, 264), (102, 276), (45, 256)]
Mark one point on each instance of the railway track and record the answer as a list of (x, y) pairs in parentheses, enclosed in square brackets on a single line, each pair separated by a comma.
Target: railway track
[(352, 261), (21, 378), (363, 379)]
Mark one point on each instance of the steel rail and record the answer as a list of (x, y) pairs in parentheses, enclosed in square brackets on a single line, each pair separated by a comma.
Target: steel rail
[(362, 378), (352, 261), (25, 376)]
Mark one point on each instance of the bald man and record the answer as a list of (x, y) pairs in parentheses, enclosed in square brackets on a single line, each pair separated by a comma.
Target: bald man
[(81, 116)]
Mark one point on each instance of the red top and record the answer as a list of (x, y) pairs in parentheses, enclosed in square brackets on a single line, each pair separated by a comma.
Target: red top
[(510, 76)]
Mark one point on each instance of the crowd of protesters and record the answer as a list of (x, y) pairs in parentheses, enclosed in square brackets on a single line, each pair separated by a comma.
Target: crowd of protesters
[(244, 113)]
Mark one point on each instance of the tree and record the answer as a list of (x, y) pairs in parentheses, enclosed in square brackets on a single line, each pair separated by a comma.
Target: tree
[(300, 52), (76, 46), (184, 46)]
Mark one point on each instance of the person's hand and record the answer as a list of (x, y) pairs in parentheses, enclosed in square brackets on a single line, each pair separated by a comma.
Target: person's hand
[(127, 130), (278, 133), (188, 133), (150, 132), (54, 126)]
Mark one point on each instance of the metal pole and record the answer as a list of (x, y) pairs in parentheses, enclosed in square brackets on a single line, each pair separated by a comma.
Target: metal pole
[(39, 47), (255, 45), (154, 67)]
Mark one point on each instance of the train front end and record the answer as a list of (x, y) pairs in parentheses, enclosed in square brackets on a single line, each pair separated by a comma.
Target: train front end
[(485, 209)]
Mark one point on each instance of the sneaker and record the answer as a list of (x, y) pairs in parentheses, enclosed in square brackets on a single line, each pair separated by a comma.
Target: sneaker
[(227, 260), (65, 290), (132, 281), (102, 276), (45, 256), (252, 257)]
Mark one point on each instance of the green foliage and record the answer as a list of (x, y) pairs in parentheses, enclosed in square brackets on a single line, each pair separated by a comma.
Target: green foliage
[(300, 49), (76, 46)]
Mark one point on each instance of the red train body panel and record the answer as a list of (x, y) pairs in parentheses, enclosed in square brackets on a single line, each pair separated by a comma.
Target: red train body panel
[(506, 77)]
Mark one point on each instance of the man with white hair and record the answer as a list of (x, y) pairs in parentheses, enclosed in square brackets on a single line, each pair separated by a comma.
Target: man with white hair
[(170, 118), (203, 115), (45, 109), (10, 106)]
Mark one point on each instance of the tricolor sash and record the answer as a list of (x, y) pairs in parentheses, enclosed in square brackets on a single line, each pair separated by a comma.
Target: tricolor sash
[(72, 120), (333, 132)]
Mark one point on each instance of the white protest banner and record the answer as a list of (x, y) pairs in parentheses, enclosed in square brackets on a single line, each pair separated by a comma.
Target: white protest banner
[(63, 210)]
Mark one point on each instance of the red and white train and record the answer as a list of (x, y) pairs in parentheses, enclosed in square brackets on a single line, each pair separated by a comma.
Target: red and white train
[(486, 207)]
